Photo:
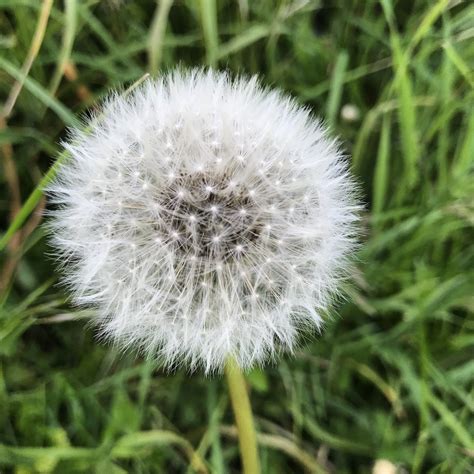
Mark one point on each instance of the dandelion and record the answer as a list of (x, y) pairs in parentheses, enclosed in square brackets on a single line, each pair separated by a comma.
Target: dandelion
[(204, 218), (208, 221)]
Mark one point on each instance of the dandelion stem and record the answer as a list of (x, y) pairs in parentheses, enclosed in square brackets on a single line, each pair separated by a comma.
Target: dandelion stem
[(243, 418)]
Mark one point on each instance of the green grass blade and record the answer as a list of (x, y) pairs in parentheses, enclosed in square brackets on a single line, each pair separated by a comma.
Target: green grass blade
[(424, 27), (335, 92), (70, 20), (157, 35), (459, 63), (208, 10), (40, 93), (381, 175), (451, 421), (407, 110)]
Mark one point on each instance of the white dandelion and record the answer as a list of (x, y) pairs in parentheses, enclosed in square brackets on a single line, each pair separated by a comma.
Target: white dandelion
[(204, 218)]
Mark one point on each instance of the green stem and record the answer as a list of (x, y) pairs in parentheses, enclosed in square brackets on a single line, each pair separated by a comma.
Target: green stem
[(243, 418)]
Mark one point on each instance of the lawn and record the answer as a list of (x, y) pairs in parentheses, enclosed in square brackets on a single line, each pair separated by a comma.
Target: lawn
[(390, 377)]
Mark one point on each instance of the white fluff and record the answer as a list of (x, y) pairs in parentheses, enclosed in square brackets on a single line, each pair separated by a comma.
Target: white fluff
[(204, 217)]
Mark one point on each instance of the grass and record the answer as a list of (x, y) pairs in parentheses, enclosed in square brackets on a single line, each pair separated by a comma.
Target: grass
[(392, 375)]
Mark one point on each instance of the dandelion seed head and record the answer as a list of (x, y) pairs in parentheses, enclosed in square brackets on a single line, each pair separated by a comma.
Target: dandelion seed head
[(224, 210)]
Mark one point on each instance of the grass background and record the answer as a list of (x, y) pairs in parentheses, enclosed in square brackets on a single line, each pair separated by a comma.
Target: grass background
[(392, 375)]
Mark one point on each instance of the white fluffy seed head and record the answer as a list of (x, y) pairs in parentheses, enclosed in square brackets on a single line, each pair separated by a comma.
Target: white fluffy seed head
[(204, 217)]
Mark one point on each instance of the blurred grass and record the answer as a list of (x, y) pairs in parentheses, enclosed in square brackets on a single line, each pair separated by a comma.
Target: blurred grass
[(391, 377)]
